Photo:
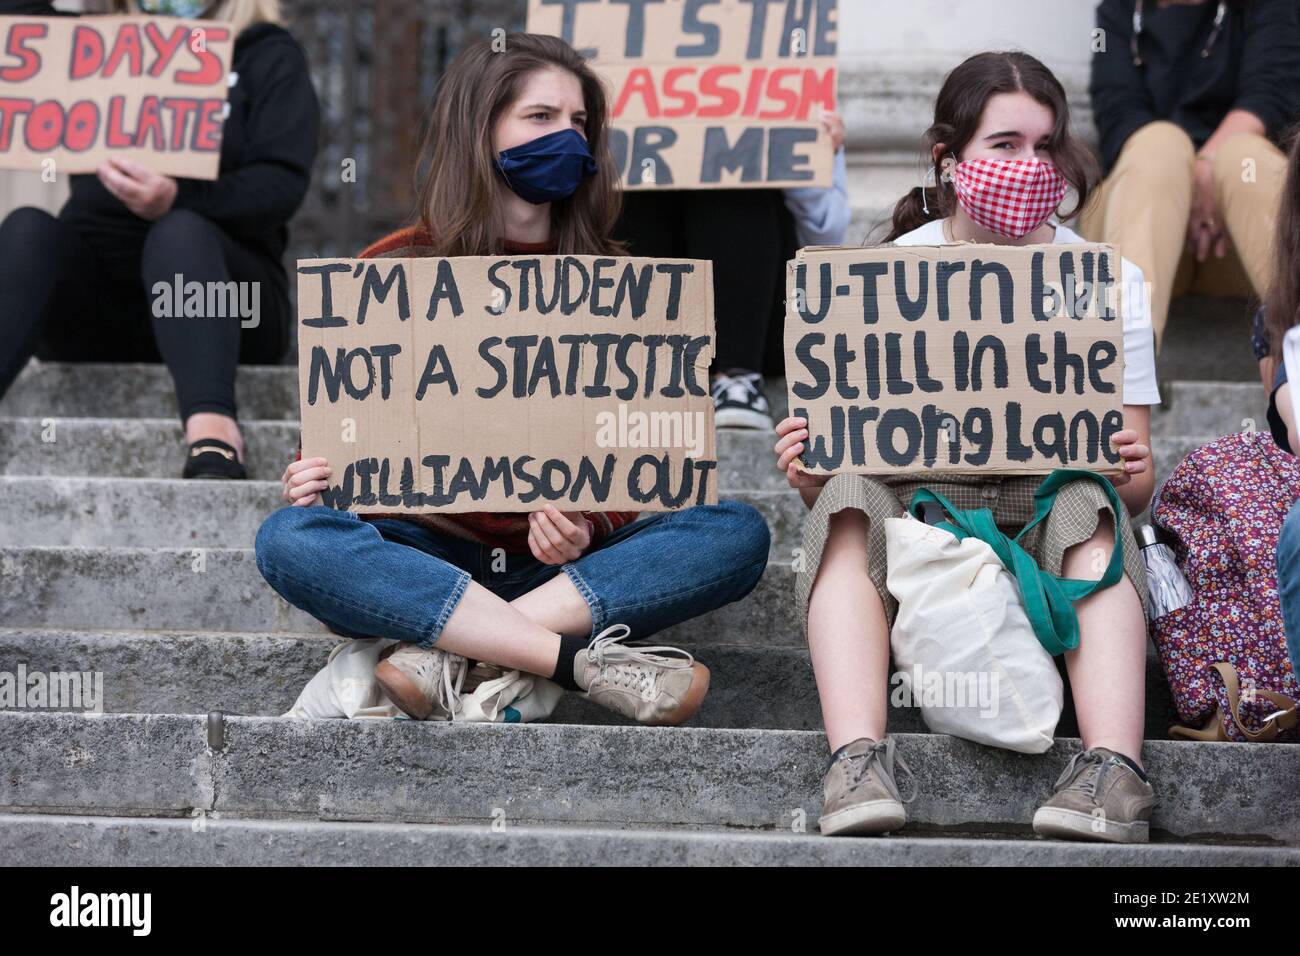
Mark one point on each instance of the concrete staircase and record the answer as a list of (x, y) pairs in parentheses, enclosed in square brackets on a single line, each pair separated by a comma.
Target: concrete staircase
[(107, 564)]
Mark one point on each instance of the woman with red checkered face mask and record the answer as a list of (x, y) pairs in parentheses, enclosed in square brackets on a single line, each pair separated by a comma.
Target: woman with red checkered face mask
[(1001, 161)]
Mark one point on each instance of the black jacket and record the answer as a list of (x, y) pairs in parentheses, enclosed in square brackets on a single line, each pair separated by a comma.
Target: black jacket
[(1254, 65), (268, 145)]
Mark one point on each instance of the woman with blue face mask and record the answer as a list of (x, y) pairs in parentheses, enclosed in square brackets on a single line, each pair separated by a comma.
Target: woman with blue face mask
[(80, 286), (518, 163)]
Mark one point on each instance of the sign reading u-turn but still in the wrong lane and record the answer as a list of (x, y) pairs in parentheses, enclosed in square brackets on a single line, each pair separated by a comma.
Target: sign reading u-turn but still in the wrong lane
[(956, 358)]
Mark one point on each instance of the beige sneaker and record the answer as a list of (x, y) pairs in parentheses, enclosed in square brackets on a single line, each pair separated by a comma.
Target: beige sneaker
[(424, 683), (859, 793), (652, 685), (1098, 797)]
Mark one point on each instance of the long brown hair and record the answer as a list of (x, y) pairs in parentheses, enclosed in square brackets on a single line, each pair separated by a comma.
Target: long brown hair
[(458, 205), (957, 113), (1282, 303)]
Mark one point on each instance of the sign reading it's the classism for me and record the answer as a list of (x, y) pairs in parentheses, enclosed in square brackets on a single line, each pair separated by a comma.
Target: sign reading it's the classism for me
[(959, 358), (507, 383), (709, 94)]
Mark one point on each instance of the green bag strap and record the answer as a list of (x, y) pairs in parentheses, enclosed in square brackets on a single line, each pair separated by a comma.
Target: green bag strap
[(1049, 599)]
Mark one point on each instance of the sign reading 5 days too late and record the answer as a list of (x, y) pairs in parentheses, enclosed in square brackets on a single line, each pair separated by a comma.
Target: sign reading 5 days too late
[(77, 89)]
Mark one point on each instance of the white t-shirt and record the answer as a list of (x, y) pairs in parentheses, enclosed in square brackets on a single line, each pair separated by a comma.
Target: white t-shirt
[(1139, 340)]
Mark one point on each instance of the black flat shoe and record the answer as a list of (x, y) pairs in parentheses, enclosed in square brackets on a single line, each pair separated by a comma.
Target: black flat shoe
[(211, 458)]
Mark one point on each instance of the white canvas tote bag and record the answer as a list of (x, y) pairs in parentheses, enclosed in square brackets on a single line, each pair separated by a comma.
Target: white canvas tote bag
[(962, 643)]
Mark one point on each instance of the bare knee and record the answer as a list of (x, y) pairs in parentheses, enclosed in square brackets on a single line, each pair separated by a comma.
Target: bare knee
[(1087, 560), (848, 532), (845, 553)]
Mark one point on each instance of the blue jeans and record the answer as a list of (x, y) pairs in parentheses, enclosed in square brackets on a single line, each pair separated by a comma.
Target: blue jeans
[(1288, 582), (395, 579)]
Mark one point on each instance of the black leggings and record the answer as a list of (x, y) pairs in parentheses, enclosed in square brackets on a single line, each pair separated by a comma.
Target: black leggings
[(741, 231), (68, 296)]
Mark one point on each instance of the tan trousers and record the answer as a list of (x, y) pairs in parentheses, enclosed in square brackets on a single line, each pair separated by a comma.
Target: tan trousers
[(1143, 207)]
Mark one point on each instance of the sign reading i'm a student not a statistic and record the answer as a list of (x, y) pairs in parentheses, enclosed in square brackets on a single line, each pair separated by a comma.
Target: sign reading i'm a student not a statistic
[(507, 383), (960, 358), (78, 89)]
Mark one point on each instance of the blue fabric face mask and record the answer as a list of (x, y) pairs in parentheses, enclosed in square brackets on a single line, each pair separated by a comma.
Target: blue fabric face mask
[(549, 168), (185, 9)]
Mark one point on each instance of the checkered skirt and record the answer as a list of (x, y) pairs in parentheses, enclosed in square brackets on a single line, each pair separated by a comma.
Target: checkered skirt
[(1073, 520)]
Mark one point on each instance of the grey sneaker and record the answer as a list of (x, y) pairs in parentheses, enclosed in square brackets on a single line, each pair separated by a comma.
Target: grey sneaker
[(652, 685), (1098, 797), (859, 793), (424, 683)]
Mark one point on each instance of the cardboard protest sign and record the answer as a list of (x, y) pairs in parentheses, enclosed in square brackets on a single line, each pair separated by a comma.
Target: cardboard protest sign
[(77, 89), (504, 383), (709, 94), (961, 358)]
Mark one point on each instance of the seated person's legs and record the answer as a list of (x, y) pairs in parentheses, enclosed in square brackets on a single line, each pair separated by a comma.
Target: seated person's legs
[(1104, 793), (203, 352), (46, 270)]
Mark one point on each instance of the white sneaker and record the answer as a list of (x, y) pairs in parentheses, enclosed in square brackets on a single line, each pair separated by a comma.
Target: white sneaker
[(424, 683), (739, 402)]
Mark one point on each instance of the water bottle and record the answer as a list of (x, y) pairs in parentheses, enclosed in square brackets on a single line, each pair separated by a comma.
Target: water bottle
[(1168, 589)]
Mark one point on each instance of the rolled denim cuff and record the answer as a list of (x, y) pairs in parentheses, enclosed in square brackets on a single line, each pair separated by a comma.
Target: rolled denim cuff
[(594, 604), (448, 608)]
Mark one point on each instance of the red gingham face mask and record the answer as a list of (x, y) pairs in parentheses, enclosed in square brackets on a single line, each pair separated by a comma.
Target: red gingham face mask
[(1011, 197)]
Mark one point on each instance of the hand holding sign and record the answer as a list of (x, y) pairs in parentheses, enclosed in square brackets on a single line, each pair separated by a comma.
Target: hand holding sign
[(793, 434), (1128, 446), (557, 537), (304, 480), (833, 123), (148, 194)]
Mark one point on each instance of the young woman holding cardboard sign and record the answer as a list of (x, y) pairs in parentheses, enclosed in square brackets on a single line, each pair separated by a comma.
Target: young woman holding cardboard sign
[(518, 162), (140, 266), (1002, 156)]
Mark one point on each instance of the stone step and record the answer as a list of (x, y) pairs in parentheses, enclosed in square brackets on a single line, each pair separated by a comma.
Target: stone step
[(1209, 408), (60, 390), (152, 448), (214, 589), (131, 390), (50, 840), (144, 390), (414, 772), (159, 513), (162, 672), (1208, 339), (261, 674), (138, 390)]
